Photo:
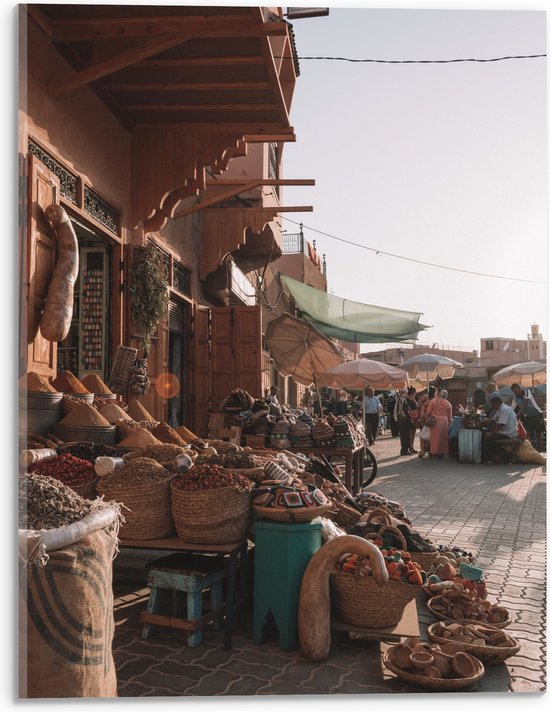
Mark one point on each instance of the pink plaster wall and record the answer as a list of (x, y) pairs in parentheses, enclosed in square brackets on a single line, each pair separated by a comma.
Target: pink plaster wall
[(76, 127)]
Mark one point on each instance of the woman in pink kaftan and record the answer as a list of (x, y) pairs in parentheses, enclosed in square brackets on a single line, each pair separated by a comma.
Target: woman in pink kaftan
[(442, 411)]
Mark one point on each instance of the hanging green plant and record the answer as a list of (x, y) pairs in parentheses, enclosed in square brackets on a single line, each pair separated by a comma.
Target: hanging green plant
[(149, 295)]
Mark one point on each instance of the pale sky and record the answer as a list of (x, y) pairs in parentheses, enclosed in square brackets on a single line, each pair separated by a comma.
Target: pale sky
[(445, 163)]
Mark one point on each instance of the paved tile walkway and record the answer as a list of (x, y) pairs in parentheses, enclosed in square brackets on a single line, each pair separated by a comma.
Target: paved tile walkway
[(496, 511)]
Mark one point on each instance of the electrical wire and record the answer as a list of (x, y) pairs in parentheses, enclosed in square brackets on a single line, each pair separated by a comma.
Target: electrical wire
[(412, 259), (424, 61)]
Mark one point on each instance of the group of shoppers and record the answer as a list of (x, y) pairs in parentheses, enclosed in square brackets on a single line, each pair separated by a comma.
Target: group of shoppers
[(432, 410)]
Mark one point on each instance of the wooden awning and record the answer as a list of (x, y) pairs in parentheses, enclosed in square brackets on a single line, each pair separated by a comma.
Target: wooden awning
[(192, 84)]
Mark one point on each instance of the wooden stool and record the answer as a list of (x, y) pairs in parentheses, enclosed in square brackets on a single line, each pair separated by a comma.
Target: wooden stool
[(190, 574)]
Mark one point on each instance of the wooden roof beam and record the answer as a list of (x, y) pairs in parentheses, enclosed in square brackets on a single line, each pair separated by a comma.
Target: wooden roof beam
[(276, 138), (187, 86), (224, 60), (263, 181), (124, 59), (87, 31), (198, 107), (41, 19), (244, 128)]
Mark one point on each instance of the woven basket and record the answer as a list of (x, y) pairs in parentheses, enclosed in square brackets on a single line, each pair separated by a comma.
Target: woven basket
[(488, 654), (342, 514), (359, 601), (425, 559), (282, 514), (437, 684), (148, 514), (88, 490), (463, 621), (214, 516), (379, 515)]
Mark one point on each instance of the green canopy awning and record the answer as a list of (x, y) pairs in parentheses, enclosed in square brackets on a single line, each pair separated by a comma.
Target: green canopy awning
[(352, 321)]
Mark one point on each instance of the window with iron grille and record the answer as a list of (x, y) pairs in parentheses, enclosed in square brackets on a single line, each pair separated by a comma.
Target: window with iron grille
[(181, 279), (101, 211), (68, 182)]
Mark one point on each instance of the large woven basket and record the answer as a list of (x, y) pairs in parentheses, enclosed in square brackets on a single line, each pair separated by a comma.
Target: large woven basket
[(148, 514), (358, 600), (289, 514), (214, 516), (437, 684), (488, 654), (88, 490)]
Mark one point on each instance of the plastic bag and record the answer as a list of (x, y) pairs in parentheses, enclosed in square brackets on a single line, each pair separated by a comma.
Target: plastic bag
[(425, 433)]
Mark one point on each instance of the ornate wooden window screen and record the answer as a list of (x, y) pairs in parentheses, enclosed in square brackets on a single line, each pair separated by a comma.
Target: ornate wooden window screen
[(101, 211), (68, 181), (177, 275)]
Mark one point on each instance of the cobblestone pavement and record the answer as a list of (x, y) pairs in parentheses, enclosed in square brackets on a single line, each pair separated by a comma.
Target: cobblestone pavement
[(496, 511)]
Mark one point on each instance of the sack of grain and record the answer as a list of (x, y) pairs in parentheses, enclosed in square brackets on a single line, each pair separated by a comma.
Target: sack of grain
[(66, 549)]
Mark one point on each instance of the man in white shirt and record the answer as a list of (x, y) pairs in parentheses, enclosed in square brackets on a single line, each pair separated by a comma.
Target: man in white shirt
[(504, 425), (526, 408), (372, 409)]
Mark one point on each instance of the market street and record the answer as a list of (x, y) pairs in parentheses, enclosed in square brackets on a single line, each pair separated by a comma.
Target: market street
[(498, 512)]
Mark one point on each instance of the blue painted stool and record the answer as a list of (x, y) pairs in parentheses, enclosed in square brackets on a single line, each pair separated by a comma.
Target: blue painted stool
[(282, 552), (189, 574)]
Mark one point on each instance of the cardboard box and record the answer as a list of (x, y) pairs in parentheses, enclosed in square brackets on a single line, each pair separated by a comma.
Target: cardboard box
[(216, 423)]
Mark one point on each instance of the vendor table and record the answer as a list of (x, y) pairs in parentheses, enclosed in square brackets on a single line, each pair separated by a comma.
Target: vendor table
[(237, 553), (353, 457)]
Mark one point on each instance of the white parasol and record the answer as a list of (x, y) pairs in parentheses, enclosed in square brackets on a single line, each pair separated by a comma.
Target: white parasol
[(428, 367), (530, 373), (363, 373)]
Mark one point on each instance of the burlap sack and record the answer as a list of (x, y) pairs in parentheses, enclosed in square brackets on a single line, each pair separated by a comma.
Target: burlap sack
[(66, 621)]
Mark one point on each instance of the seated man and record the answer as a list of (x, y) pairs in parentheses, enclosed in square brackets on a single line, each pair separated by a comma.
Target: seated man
[(488, 408), (503, 425), (526, 408)]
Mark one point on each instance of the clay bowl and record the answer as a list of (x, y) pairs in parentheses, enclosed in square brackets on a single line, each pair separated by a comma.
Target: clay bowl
[(432, 672), (421, 660), (463, 665), (442, 661), (451, 648), (401, 655)]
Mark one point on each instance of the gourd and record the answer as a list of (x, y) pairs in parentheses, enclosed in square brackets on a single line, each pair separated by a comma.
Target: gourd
[(56, 318), (314, 604)]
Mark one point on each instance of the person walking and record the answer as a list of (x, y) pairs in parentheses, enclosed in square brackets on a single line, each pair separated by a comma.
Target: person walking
[(527, 410), (401, 412), (372, 409), (423, 402), (414, 414), (442, 411)]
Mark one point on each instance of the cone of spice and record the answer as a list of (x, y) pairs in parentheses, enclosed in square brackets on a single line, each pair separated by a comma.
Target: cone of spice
[(166, 434), (138, 412), (67, 382), (85, 416), (35, 383), (113, 412), (139, 438), (95, 384)]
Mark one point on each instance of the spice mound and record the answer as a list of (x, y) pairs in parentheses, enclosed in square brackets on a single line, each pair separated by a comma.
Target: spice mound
[(95, 384), (138, 438), (166, 434), (233, 461), (204, 477), (35, 383), (67, 382), (139, 471), (85, 416), (46, 503), (138, 412), (161, 453), (66, 468), (113, 412)]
